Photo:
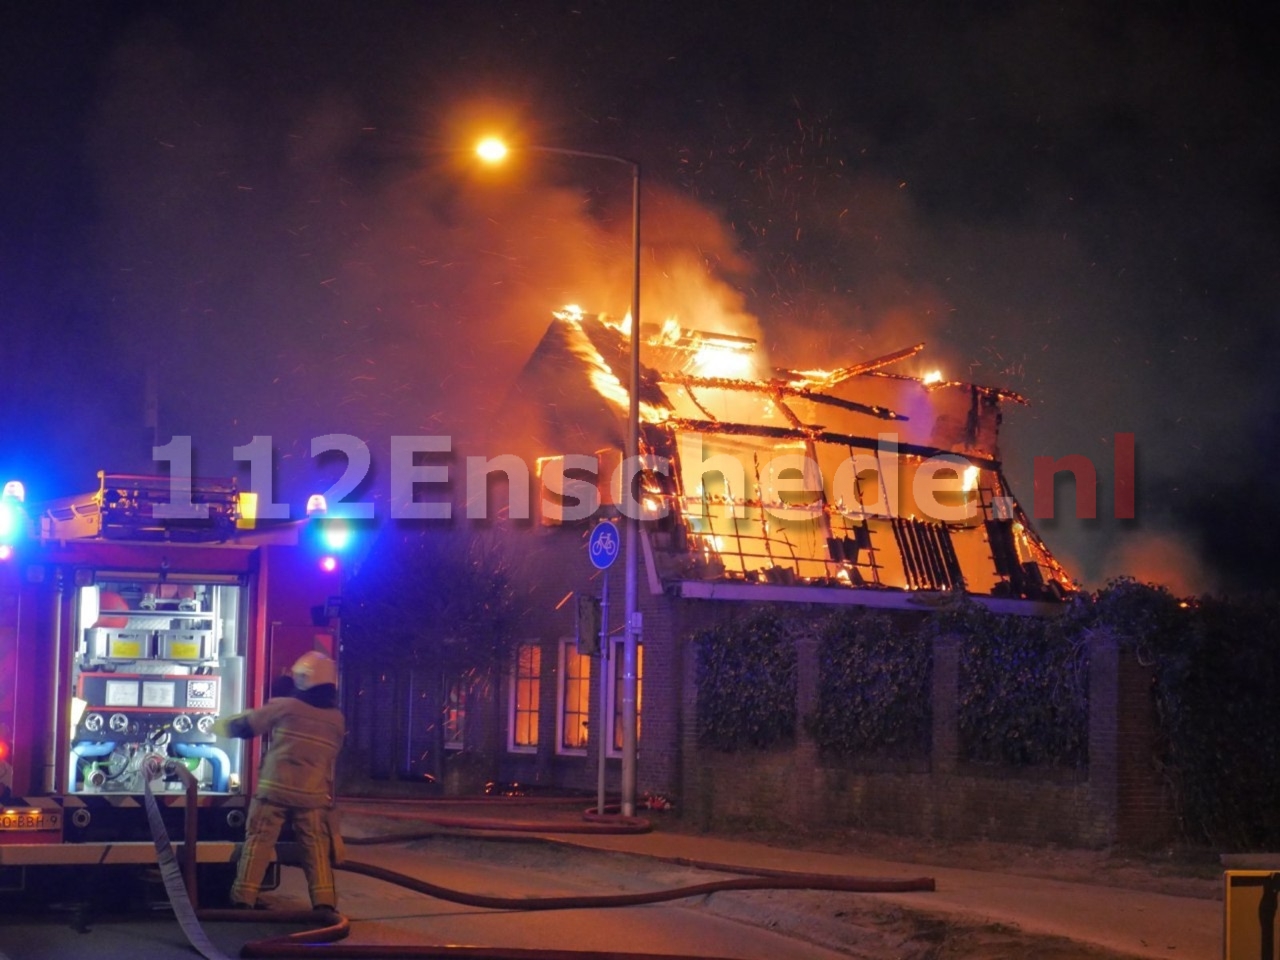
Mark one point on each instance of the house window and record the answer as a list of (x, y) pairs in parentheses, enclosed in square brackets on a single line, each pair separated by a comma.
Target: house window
[(574, 698), (615, 694), (526, 685), (454, 720)]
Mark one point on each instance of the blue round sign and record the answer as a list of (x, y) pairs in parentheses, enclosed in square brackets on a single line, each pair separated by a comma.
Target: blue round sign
[(603, 545)]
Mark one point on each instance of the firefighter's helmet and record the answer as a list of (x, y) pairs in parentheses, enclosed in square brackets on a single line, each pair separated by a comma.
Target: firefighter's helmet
[(313, 669)]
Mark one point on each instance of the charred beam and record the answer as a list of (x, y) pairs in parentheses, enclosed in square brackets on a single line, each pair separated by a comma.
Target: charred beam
[(678, 424)]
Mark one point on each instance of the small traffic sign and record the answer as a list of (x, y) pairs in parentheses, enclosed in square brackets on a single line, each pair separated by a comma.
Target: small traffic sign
[(603, 545)]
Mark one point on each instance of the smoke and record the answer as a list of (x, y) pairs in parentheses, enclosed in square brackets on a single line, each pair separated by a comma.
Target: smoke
[(692, 269), (289, 263), (282, 268), (860, 297), (1163, 559), (843, 264)]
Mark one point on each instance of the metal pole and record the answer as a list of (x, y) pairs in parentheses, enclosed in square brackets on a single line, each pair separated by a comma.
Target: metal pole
[(606, 727), (632, 625), (631, 630)]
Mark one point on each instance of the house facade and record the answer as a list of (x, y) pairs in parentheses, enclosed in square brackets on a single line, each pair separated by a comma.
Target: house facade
[(866, 486)]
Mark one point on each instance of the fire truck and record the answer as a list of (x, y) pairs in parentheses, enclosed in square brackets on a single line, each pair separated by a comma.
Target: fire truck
[(130, 620)]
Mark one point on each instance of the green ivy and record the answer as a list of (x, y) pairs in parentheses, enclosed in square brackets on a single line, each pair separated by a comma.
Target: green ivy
[(874, 688), (1023, 689), (1216, 664), (746, 680)]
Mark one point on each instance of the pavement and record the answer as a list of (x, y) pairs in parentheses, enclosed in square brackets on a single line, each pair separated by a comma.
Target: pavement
[(1127, 921), (1124, 920)]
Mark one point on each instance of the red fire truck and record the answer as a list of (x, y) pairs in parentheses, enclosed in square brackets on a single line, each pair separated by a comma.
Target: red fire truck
[(127, 626)]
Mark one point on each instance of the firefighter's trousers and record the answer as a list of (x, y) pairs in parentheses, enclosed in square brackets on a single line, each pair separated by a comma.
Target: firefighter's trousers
[(310, 827)]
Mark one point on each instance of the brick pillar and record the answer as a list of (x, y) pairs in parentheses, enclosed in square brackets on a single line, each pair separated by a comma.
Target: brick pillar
[(806, 790), (1099, 828), (695, 787), (1144, 809), (945, 751)]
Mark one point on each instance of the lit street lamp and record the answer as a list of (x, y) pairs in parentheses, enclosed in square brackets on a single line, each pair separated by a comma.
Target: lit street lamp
[(493, 150)]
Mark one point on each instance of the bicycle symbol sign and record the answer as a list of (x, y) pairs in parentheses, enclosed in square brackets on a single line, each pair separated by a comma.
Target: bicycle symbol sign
[(603, 545)]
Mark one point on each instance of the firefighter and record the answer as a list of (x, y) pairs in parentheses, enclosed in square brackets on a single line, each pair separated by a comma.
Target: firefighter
[(295, 784)]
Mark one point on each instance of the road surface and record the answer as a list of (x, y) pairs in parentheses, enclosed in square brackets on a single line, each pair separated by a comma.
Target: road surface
[(381, 913)]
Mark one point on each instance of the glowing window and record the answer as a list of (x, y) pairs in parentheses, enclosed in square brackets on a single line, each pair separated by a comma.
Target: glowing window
[(526, 687), (575, 699)]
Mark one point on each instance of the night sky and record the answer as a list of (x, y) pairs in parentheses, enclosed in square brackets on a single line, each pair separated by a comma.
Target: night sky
[(257, 202)]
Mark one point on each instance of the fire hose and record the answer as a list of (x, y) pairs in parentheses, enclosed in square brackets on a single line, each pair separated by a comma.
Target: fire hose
[(333, 927)]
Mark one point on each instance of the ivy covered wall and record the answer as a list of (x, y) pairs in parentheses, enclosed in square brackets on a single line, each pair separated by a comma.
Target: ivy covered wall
[(1133, 716)]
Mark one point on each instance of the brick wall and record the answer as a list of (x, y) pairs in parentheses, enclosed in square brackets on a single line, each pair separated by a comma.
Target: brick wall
[(1145, 814), (1117, 799)]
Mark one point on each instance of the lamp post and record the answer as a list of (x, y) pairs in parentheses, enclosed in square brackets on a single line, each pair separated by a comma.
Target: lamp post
[(494, 151)]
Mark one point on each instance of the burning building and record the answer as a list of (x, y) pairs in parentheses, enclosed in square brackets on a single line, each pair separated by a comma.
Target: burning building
[(796, 490), (861, 478)]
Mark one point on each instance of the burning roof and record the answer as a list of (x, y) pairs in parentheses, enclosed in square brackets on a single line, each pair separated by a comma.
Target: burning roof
[(858, 477)]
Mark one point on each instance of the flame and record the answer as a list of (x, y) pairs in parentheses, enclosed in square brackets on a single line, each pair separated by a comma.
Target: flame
[(720, 356), (724, 359), (970, 478), (933, 376), (669, 334), (622, 325), (713, 356), (603, 379), (813, 376)]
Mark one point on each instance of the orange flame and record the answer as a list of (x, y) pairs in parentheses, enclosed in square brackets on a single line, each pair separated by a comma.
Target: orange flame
[(724, 359), (603, 379)]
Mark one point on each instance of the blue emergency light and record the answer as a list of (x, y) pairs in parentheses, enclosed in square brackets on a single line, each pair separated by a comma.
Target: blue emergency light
[(13, 517), (333, 535), (10, 521)]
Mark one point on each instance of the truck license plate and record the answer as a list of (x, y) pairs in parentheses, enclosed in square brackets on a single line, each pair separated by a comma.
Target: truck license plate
[(30, 818)]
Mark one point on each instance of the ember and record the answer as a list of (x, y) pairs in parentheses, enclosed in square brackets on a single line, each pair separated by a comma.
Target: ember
[(855, 477)]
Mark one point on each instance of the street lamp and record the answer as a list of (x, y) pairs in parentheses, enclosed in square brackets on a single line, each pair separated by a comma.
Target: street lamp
[(493, 150)]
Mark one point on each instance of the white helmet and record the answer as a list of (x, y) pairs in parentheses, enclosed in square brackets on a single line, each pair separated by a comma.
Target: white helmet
[(312, 669)]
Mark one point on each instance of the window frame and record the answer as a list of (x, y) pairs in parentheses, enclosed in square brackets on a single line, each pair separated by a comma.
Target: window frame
[(568, 648), (454, 713), (534, 712)]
